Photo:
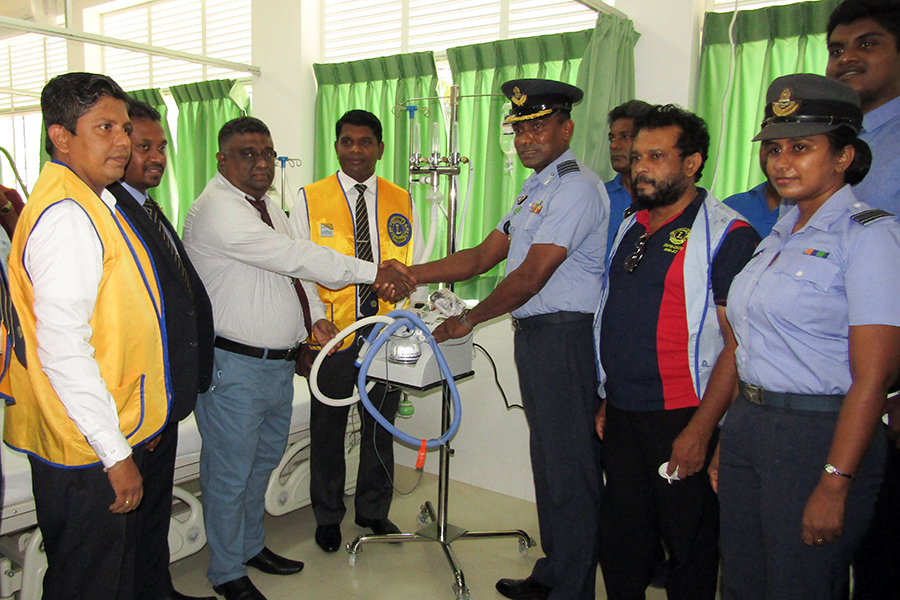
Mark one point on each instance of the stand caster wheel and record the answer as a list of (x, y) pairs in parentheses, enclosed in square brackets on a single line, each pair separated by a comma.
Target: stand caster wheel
[(351, 560), (423, 518), (523, 548)]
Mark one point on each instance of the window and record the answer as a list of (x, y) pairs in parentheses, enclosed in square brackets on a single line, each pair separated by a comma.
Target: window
[(213, 28), (395, 26), (728, 5)]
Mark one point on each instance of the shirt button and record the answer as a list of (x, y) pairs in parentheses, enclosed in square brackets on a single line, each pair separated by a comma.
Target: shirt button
[(799, 273)]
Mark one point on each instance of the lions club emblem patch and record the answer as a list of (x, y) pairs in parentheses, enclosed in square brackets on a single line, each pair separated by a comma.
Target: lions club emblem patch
[(399, 229)]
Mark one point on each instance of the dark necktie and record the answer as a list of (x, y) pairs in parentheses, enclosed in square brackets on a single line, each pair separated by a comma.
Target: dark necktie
[(260, 206), (368, 301), (155, 213), (11, 320)]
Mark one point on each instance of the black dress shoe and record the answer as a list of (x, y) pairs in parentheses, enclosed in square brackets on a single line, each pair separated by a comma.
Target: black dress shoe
[(523, 589), (269, 562), (378, 526), (239, 589), (176, 595), (328, 537)]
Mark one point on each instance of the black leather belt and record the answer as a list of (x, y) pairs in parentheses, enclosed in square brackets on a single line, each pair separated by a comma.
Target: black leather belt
[(818, 403), (550, 319), (253, 351)]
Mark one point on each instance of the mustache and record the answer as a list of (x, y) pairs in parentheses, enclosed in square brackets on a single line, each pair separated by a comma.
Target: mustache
[(153, 165)]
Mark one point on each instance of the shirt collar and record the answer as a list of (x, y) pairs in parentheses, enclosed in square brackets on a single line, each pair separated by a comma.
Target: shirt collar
[(230, 186), (841, 201), (138, 195), (615, 184), (348, 182), (874, 119)]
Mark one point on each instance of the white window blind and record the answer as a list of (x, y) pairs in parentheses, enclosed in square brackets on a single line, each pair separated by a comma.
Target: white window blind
[(27, 62), (356, 29), (728, 5), (213, 28)]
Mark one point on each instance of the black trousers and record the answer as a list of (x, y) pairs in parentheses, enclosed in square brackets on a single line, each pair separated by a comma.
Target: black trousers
[(90, 551), (558, 381), (876, 564), (327, 428), (152, 578), (640, 508)]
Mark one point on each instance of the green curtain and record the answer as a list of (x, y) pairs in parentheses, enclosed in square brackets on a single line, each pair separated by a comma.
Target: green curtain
[(380, 86), (202, 110), (479, 70), (165, 193), (769, 43), (606, 75)]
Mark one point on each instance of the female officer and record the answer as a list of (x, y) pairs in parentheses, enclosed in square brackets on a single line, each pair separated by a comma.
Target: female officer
[(817, 324)]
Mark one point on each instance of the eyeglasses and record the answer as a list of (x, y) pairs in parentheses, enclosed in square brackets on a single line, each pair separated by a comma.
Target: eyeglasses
[(251, 156), (631, 262)]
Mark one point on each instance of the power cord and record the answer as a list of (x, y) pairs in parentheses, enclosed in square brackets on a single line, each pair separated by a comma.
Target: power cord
[(497, 379)]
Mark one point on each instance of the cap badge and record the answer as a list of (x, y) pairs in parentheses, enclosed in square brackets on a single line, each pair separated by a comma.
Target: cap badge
[(518, 98), (786, 105)]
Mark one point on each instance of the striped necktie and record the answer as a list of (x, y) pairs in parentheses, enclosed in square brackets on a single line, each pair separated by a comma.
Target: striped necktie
[(155, 213), (368, 301)]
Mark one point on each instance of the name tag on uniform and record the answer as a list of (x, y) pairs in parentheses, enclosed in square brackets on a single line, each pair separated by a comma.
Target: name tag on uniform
[(326, 230)]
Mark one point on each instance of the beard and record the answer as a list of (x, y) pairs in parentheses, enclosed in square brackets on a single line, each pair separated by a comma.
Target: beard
[(667, 193)]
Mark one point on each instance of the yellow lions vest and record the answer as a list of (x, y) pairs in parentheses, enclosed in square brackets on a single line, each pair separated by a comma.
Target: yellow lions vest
[(331, 213), (128, 334)]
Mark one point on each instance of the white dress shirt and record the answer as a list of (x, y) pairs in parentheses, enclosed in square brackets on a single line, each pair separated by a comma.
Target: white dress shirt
[(300, 221), (64, 258), (247, 267)]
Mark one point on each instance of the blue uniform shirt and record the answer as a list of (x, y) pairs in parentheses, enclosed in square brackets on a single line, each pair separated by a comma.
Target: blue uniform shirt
[(754, 207), (565, 205), (881, 130), (793, 304), (619, 201)]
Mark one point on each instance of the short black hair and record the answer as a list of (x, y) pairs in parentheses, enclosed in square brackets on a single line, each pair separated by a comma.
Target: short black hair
[(359, 118), (884, 12), (633, 109), (142, 110), (240, 126), (694, 136), (67, 97)]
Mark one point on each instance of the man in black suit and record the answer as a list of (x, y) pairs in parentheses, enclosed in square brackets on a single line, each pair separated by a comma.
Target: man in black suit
[(189, 329)]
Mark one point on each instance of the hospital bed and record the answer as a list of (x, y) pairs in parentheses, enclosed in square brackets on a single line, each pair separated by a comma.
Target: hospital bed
[(22, 560)]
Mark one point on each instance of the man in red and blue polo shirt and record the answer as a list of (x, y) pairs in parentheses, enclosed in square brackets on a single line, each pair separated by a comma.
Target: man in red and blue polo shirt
[(657, 337)]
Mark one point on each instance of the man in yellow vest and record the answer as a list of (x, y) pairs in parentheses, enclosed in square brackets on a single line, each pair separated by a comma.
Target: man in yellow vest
[(96, 386), (339, 212)]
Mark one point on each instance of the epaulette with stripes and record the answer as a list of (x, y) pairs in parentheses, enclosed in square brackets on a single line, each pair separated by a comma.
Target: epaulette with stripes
[(870, 215), (566, 167)]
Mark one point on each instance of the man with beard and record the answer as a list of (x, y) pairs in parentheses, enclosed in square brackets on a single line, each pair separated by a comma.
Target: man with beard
[(657, 337)]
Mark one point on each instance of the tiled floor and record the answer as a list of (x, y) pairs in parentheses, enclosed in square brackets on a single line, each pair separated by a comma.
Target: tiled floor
[(401, 571)]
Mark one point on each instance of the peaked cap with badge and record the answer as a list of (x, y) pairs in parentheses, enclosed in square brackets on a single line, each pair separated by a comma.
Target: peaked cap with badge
[(537, 98), (806, 104)]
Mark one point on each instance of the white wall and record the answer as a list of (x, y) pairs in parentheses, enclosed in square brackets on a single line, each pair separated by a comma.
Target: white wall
[(286, 42), (667, 52)]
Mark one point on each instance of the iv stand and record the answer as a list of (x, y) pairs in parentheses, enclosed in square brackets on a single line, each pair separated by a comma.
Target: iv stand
[(436, 527)]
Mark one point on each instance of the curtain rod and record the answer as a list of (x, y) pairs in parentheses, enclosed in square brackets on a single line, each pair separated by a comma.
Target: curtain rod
[(100, 40), (602, 6)]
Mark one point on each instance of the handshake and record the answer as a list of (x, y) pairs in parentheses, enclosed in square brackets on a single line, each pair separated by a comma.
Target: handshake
[(394, 281)]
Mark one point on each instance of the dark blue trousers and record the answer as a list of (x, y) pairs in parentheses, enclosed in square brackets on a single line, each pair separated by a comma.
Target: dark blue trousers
[(558, 381), (771, 460)]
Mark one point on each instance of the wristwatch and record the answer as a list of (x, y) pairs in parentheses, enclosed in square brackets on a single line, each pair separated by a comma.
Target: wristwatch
[(4, 210), (463, 320), (832, 470)]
